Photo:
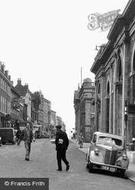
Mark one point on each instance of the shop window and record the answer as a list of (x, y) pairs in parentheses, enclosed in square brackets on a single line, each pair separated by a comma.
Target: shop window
[(119, 69)]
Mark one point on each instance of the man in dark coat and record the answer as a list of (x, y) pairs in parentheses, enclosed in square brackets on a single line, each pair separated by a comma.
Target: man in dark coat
[(28, 137), (62, 143)]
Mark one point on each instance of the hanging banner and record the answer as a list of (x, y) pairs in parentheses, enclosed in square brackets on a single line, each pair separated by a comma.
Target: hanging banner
[(102, 21)]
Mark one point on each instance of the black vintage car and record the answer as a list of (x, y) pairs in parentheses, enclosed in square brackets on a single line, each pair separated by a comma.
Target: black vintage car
[(7, 135)]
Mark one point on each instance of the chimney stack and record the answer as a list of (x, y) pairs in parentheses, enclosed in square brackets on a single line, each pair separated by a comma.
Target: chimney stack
[(19, 81)]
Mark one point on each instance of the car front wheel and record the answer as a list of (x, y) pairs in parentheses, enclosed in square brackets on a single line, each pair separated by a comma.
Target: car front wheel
[(90, 167), (121, 172)]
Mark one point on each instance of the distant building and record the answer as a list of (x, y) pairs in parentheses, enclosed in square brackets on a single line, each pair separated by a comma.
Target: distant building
[(53, 118), (40, 111), (34, 109), (25, 94), (44, 112), (16, 106), (58, 120), (46, 115), (63, 126), (52, 129), (84, 105), (5, 94)]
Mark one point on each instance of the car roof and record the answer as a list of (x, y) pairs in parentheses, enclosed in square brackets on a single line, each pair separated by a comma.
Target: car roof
[(109, 135)]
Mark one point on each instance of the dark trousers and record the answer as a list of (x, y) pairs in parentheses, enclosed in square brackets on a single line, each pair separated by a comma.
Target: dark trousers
[(61, 155), (28, 149), (18, 141)]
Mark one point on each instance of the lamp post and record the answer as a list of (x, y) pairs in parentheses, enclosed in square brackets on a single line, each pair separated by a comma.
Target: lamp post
[(126, 120)]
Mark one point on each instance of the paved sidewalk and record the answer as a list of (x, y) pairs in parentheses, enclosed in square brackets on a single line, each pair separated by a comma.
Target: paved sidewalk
[(131, 154)]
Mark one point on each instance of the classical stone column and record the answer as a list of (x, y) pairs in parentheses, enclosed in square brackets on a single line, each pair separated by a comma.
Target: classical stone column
[(96, 107), (126, 60)]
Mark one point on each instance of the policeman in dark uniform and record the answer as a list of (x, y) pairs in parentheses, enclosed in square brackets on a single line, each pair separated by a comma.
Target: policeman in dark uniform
[(62, 143)]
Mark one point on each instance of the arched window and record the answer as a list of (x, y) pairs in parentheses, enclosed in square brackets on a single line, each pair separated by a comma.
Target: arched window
[(99, 88), (119, 69), (108, 89)]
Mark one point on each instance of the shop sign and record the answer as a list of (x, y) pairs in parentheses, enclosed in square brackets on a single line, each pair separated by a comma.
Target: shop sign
[(102, 21)]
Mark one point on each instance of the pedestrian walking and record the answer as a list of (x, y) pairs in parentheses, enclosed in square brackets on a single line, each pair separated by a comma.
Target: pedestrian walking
[(62, 143), (80, 141), (28, 137), (16, 125), (18, 136)]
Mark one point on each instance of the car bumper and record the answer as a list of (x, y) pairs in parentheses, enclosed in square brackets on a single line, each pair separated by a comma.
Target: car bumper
[(107, 166)]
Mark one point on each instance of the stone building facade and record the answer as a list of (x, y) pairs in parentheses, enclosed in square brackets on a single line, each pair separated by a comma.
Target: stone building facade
[(5, 94), (46, 115), (16, 107), (52, 129), (44, 112), (114, 69), (58, 120), (34, 110), (53, 118), (84, 105)]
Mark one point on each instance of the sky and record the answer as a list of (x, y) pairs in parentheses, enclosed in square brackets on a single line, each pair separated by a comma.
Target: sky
[(47, 42)]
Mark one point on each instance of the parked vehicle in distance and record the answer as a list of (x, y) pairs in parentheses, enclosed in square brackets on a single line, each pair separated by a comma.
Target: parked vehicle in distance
[(107, 152), (37, 131), (41, 135), (52, 141), (7, 135), (44, 135)]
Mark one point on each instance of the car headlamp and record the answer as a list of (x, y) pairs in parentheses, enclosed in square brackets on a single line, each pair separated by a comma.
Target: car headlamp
[(124, 157), (96, 151)]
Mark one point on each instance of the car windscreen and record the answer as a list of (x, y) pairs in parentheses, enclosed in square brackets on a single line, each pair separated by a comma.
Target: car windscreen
[(109, 141)]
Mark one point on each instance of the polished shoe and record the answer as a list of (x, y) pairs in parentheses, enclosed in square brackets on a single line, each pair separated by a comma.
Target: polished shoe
[(67, 167), (27, 159), (59, 170)]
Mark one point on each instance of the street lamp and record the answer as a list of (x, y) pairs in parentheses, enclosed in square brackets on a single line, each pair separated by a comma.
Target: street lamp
[(126, 120), (126, 111)]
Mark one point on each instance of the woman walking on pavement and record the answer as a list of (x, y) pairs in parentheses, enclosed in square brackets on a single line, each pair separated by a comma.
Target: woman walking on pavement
[(28, 137)]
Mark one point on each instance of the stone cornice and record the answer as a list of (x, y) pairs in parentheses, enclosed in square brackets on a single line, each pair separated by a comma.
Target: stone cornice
[(101, 60), (116, 28)]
